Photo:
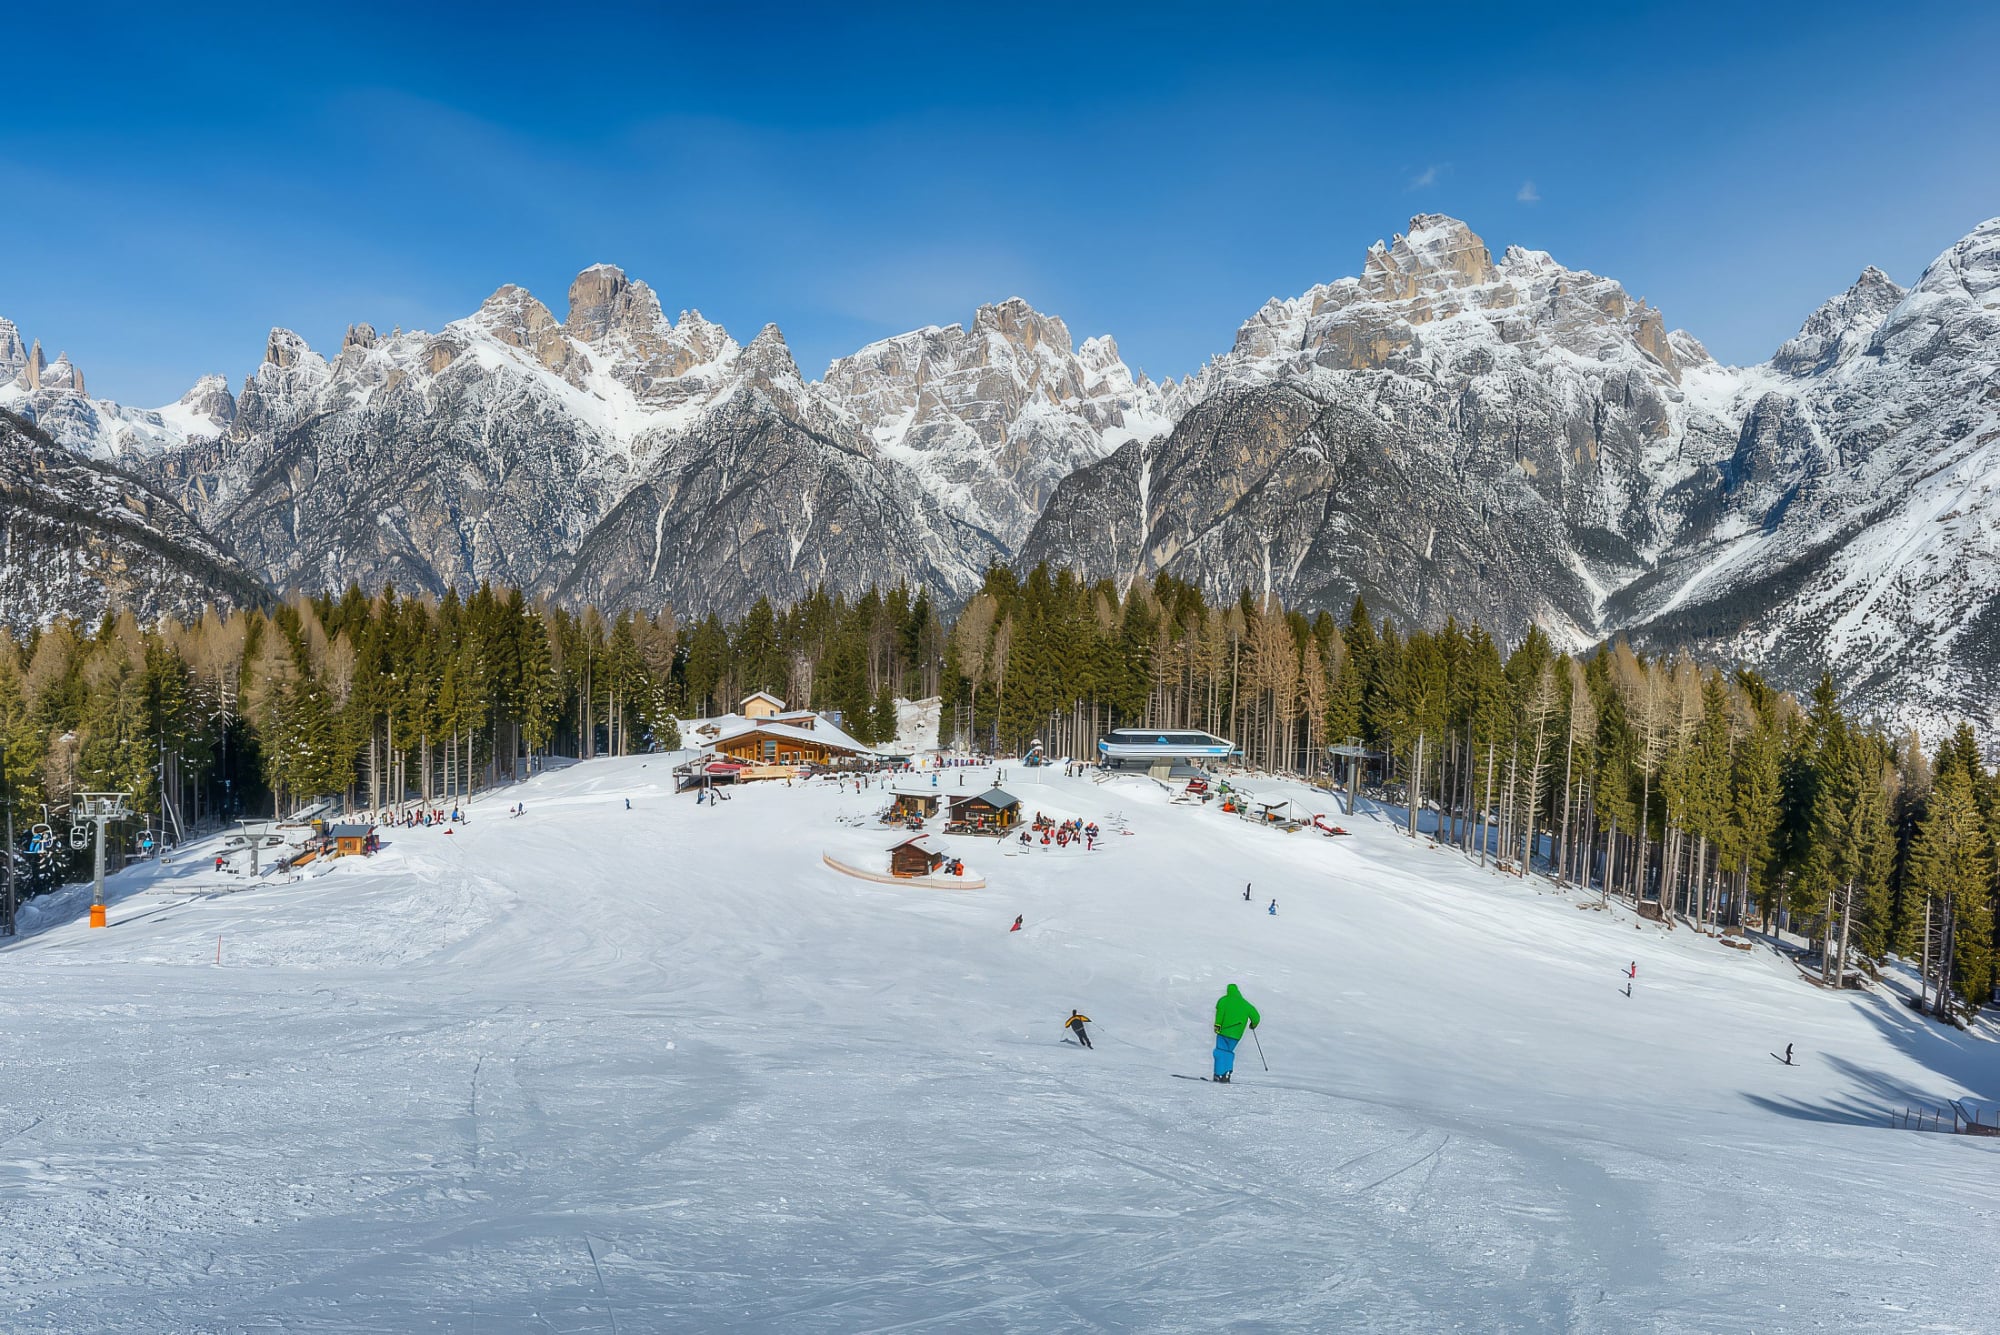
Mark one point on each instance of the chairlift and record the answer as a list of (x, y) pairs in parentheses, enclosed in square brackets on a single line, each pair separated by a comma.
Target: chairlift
[(79, 836)]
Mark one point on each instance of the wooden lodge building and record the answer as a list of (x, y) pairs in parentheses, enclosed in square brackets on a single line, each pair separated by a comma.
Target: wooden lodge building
[(767, 741), (994, 811), (914, 857)]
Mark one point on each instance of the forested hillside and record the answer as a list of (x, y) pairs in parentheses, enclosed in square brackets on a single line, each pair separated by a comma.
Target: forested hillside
[(1656, 779)]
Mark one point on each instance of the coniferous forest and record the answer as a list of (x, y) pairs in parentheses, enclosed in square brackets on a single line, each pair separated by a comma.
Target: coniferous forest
[(1660, 781)]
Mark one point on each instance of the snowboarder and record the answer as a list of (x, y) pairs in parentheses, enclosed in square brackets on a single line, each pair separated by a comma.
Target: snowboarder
[(1075, 1024), (1017, 923), (1232, 1013), (1273, 910)]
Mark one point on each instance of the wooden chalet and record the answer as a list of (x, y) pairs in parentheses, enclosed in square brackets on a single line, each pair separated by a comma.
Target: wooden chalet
[(762, 704), (994, 811), (766, 744), (907, 806), (352, 841), (914, 857)]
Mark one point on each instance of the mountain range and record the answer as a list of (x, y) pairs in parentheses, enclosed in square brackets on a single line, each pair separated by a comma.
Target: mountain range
[(1508, 440)]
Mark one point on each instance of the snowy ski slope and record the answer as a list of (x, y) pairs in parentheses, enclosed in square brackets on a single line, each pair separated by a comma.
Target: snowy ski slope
[(661, 1070)]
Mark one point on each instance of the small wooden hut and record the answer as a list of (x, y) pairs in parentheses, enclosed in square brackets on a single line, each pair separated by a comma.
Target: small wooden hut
[(352, 841), (914, 857), (994, 811), (907, 807)]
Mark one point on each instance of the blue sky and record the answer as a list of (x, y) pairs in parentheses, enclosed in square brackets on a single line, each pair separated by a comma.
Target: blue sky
[(176, 184)]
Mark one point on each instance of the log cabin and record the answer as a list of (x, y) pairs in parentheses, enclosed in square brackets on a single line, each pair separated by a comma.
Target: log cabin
[(914, 857)]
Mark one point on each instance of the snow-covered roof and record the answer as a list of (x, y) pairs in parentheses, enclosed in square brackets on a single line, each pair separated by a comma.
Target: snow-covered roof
[(761, 695), (824, 734), (922, 841)]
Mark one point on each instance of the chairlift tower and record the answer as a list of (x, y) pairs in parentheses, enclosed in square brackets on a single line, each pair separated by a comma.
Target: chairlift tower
[(101, 809), (254, 832), (1355, 753)]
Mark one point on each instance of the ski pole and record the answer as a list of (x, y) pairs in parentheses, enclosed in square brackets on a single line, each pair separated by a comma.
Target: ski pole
[(1260, 1046)]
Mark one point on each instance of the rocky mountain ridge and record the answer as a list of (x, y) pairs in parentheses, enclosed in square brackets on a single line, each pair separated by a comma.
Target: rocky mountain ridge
[(1520, 443), (78, 536), (1443, 432)]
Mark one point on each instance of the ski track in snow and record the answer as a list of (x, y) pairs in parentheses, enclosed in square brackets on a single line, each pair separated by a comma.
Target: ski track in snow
[(659, 1069)]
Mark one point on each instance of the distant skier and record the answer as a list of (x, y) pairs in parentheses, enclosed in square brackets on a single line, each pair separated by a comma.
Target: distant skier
[(1788, 1054), (628, 804), (1633, 971), (1017, 923), (1075, 1024), (1246, 893), (1273, 910), (1232, 1013)]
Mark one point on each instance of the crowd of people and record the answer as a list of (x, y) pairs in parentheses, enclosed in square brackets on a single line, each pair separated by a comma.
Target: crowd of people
[(1062, 833)]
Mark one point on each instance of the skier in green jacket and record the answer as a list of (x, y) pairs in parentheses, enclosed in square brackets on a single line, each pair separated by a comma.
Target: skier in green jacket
[(1232, 1013)]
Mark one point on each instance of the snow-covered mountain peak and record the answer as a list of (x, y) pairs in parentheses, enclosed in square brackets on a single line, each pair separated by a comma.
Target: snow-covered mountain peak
[(61, 375), (1022, 325), (602, 299), (990, 418), (1840, 329), (1970, 269), (13, 354), (1435, 254), (767, 363), (285, 349), (514, 317)]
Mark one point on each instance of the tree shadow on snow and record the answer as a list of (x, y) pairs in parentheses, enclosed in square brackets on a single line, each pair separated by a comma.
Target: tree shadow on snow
[(1967, 1066)]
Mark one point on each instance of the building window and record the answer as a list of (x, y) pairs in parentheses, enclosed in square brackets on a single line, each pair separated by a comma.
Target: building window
[(770, 749)]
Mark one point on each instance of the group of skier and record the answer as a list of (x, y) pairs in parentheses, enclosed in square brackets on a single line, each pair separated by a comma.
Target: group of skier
[(1233, 1014)]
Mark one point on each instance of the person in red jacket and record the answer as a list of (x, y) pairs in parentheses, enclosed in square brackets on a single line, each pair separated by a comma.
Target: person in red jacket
[(1017, 923)]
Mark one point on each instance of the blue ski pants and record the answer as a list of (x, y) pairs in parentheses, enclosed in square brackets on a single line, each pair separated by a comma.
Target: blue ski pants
[(1225, 1053)]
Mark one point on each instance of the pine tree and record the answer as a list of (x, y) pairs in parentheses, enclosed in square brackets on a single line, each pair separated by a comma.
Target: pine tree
[(1952, 862)]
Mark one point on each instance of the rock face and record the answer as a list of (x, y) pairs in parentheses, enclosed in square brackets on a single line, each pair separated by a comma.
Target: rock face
[(1445, 433), (990, 419), (1442, 434), (613, 455), (1520, 442), (78, 537), (1860, 523), (53, 396)]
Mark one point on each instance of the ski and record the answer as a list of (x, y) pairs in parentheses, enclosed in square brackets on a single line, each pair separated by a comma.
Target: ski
[(1781, 1061), (1205, 1079)]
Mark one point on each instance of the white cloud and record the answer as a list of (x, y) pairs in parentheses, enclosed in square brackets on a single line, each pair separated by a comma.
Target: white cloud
[(1427, 177), (1527, 194)]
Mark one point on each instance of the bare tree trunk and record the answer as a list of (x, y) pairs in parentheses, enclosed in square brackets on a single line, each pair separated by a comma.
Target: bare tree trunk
[(1562, 843), (1486, 805), (1416, 785)]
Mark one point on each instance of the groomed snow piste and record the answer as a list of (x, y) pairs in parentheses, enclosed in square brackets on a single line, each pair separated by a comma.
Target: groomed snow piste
[(596, 1069)]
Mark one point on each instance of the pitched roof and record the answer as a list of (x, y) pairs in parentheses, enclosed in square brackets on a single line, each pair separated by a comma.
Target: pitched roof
[(920, 841), (994, 797), (760, 695), (825, 734), (351, 831)]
